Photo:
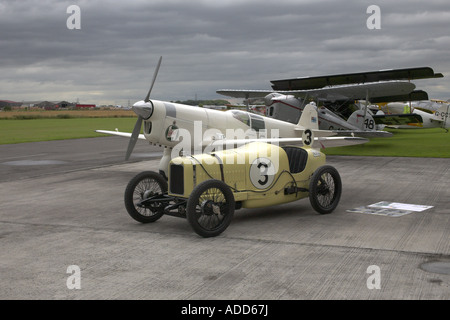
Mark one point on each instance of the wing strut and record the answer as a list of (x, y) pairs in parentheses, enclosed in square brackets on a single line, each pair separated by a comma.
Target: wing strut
[(366, 104), (247, 103)]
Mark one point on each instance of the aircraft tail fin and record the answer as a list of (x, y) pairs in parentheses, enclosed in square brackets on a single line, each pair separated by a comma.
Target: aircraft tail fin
[(309, 118), (443, 114), (366, 123)]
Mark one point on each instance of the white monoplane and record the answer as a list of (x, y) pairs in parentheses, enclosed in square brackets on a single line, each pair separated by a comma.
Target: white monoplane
[(190, 129)]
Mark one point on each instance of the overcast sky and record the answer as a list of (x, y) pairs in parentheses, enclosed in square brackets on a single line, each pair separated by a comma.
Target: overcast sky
[(209, 45)]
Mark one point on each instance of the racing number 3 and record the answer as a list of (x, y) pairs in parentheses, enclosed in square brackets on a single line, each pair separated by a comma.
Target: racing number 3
[(263, 173), (307, 137)]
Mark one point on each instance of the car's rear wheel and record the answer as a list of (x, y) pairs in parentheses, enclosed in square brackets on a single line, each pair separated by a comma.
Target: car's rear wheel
[(210, 208), (325, 189), (143, 186)]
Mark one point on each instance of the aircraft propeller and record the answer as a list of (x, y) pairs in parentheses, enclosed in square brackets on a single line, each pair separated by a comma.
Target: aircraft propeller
[(144, 110)]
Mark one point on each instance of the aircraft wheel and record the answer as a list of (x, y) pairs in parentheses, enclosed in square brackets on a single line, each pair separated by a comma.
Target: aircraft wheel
[(210, 208), (325, 189), (141, 187)]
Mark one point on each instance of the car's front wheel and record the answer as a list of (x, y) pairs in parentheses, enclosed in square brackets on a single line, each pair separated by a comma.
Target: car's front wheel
[(143, 186), (210, 208)]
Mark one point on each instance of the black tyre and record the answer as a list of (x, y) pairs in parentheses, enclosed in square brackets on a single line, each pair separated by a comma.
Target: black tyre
[(325, 189), (144, 185), (210, 208)]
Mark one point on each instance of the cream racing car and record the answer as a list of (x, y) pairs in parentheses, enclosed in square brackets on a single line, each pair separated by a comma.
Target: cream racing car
[(207, 188)]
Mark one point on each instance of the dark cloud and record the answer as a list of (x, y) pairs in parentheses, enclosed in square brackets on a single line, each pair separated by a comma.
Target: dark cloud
[(208, 45)]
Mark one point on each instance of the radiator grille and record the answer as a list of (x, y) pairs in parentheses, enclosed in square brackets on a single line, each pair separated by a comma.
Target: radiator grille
[(176, 179)]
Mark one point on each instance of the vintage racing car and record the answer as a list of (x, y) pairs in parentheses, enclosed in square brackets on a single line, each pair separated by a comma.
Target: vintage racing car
[(207, 188)]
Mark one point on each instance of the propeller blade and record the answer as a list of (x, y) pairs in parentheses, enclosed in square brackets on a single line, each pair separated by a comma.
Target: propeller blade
[(134, 137), (147, 98), (146, 109)]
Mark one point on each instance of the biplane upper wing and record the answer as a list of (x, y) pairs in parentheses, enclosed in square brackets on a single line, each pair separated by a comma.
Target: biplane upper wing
[(382, 86), (316, 82)]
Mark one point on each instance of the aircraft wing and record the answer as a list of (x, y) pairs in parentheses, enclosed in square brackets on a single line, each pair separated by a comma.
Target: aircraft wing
[(120, 134), (331, 142), (398, 119), (383, 85), (364, 133), (322, 142), (357, 91), (361, 77), (319, 142), (416, 95), (334, 93), (244, 93)]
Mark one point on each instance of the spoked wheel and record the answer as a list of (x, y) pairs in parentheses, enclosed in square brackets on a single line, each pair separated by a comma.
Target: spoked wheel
[(325, 189), (210, 208), (143, 186)]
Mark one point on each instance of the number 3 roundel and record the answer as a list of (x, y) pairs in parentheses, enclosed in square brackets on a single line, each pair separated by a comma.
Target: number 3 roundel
[(262, 173)]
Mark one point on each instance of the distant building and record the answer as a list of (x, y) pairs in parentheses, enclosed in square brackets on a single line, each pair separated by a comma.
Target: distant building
[(9, 103), (65, 104), (47, 105)]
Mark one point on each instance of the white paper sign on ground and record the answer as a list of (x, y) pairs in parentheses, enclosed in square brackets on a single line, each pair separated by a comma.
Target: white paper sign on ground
[(391, 209), (400, 206)]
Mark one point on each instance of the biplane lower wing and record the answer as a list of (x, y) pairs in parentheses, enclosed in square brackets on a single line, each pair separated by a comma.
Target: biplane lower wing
[(334, 93), (398, 119)]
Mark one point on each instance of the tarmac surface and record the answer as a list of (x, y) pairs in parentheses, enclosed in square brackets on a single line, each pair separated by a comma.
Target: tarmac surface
[(63, 226)]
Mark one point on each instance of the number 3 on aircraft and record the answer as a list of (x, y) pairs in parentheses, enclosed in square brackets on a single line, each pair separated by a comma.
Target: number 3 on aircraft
[(307, 137)]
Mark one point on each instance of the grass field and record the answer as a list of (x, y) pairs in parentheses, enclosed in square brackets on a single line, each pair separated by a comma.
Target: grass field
[(65, 114), (429, 143), (50, 125), (18, 131)]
